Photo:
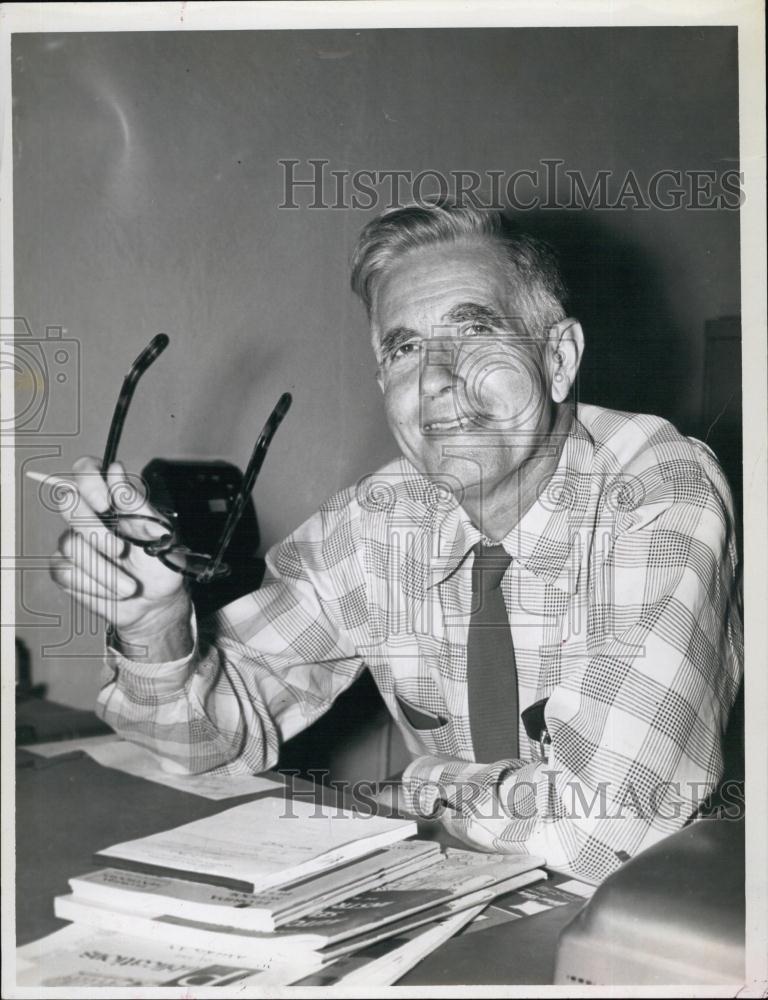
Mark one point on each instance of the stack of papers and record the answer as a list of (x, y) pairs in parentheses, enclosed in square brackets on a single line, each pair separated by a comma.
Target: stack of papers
[(264, 911), (262, 844), (271, 892), (460, 880)]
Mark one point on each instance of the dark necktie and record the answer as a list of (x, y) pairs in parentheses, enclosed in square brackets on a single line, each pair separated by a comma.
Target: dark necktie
[(491, 671)]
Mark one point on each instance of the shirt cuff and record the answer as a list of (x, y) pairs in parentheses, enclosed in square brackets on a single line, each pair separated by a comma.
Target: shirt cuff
[(163, 678), (432, 784)]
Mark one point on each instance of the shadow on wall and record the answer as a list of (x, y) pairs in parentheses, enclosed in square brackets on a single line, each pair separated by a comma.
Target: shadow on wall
[(636, 358)]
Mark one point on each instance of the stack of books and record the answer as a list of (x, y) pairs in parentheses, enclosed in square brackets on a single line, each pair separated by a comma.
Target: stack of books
[(272, 892)]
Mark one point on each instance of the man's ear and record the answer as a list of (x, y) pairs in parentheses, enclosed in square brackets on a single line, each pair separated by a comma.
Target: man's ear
[(564, 352)]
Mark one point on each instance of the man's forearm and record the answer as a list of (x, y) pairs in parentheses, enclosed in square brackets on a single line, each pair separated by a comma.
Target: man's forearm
[(195, 710)]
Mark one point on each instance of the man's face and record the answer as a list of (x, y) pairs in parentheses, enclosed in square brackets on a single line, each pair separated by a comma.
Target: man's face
[(466, 386)]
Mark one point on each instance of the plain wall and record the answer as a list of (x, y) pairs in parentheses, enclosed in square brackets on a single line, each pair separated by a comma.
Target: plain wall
[(147, 192)]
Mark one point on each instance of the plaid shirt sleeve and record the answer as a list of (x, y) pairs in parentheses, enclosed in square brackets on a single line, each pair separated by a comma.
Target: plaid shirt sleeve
[(262, 670), (635, 726)]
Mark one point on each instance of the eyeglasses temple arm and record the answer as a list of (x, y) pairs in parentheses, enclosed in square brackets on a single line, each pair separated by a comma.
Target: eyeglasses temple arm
[(254, 467), (150, 354)]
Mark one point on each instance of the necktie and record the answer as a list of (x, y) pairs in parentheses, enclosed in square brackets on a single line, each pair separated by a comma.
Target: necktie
[(491, 671)]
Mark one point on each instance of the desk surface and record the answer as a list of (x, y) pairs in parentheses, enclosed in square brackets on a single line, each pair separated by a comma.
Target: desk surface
[(69, 807)]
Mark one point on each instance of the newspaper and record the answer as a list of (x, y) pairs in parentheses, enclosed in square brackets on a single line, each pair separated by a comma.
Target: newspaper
[(78, 957)]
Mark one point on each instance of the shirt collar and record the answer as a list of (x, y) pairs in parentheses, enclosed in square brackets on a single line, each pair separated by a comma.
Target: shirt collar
[(542, 541)]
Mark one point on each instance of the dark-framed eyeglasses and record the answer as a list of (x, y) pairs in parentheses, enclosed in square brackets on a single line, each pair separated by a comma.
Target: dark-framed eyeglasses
[(141, 529)]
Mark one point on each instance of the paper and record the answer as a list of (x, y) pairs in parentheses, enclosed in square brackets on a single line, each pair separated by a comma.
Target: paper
[(122, 755), (462, 871), (558, 890), (59, 747), (265, 843), (383, 963), (531, 906), (419, 917), (157, 895), (286, 943), (332, 931), (578, 888), (78, 957)]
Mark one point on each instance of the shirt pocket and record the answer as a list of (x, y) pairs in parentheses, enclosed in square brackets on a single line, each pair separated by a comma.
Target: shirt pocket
[(419, 718), (424, 730)]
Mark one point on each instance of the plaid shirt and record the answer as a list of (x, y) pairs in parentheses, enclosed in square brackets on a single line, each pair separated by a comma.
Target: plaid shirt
[(623, 608)]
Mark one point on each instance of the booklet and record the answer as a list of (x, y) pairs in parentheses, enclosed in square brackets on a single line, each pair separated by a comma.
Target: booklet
[(558, 890), (79, 957), (461, 873), (156, 895), (269, 842), (273, 948), (486, 897), (383, 963)]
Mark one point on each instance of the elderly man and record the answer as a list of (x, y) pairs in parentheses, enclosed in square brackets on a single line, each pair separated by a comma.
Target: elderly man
[(543, 591)]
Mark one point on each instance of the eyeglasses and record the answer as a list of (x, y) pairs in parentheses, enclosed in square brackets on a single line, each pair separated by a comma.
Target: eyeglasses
[(141, 529)]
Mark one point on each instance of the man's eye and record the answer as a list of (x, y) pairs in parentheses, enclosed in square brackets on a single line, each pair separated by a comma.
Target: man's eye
[(404, 350), (478, 329)]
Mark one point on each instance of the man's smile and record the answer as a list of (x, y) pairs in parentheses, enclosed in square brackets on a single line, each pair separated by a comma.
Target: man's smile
[(462, 423)]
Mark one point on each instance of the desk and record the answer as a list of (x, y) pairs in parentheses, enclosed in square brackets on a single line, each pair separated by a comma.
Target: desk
[(69, 807), (39, 720)]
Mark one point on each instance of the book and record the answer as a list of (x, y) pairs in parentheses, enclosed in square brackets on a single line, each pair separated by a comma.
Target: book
[(416, 898), (264, 911), (482, 897), (270, 951), (461, 873), (78, 957), (261, 844), (557, 890), (383, 963)]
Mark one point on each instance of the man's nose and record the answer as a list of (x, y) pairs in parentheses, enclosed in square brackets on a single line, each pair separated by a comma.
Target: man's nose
[(438, 368)]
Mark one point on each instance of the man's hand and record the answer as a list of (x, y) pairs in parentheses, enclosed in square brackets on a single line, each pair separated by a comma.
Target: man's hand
[(134, 591)]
